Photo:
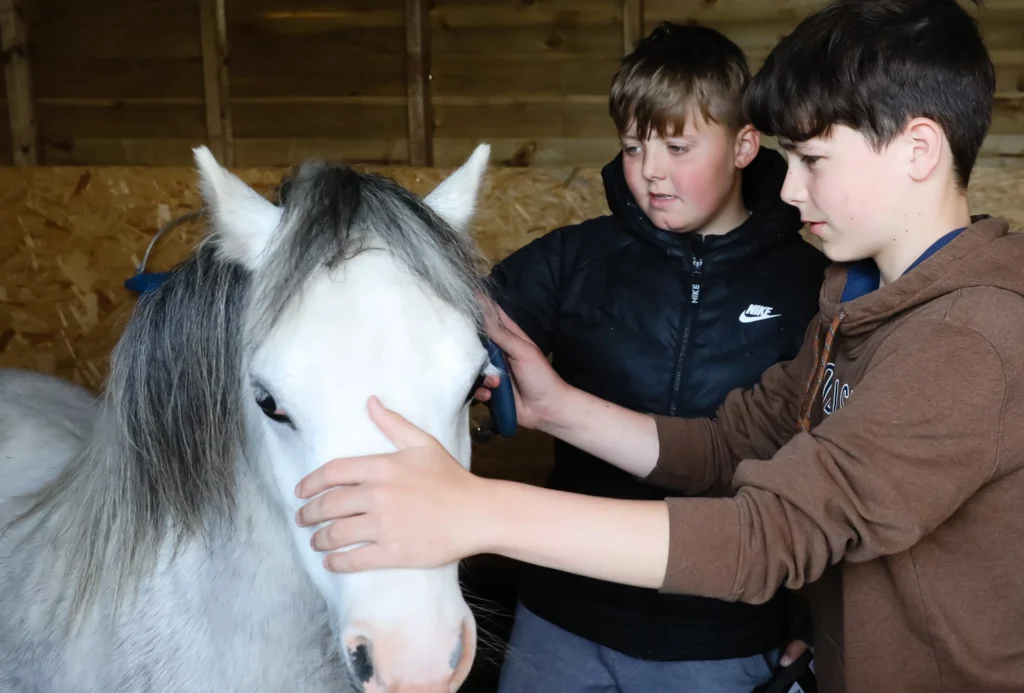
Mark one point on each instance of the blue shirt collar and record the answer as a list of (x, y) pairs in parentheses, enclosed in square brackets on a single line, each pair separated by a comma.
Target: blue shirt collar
[(863, 277)]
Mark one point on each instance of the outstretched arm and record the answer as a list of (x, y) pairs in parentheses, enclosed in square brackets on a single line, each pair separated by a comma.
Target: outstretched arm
[(620, 436), (690, 455), (871, 480)]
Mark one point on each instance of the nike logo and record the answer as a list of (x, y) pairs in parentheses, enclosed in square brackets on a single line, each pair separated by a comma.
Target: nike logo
[(756, 313)]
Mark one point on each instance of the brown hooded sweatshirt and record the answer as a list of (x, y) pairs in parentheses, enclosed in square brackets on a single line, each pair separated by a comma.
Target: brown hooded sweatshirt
[(882, 472)]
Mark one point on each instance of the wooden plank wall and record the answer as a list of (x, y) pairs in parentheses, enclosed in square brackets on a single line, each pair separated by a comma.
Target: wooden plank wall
[(6, 147), (757, 25), (123, 82), (318, 77), (531, 78), (117, 82)]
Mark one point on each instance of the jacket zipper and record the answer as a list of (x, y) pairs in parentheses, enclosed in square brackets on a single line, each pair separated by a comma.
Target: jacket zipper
[(689, 313)]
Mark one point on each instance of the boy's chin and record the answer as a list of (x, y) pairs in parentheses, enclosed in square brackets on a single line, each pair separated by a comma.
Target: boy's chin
[(669, 223), (837, 252)]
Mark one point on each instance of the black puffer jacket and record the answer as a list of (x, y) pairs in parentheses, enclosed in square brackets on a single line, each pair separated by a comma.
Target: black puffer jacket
[(663, 323)]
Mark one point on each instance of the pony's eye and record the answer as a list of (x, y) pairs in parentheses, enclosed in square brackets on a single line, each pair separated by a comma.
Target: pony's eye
[(266, 402)]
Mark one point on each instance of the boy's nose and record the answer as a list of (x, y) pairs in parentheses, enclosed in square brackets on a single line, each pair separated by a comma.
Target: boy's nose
[(652, 168), (793, 190)]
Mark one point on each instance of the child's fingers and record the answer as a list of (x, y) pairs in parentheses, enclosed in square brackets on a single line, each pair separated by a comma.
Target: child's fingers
[(793, 652)]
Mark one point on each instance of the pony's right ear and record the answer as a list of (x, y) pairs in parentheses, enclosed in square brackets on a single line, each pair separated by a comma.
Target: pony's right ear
[(455, 198), (243, 220)]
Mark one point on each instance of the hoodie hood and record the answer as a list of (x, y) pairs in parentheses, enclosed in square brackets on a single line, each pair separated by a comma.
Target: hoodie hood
[(984, 254), (772, 222)]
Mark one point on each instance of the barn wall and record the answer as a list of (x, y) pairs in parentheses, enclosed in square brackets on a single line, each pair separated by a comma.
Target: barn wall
[(69, 237), (757, 25), (116, 82), (531, 78), (122, 81), (322, 78), (5, 126)]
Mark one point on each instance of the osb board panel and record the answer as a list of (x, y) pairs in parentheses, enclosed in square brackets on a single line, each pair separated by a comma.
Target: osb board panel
[(70, 236)]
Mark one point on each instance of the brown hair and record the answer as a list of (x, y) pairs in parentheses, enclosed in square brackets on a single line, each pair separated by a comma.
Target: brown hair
[(674, 71)]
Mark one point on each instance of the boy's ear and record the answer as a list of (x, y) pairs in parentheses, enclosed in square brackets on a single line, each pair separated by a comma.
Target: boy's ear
[(746, 145), (926, 141)]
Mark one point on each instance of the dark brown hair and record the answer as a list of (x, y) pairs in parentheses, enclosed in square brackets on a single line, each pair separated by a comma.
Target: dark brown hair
[(873, 65)]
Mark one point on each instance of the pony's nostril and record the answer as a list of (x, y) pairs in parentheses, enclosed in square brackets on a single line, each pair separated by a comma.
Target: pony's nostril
[(360, 657), (456, 657), (462, 656)]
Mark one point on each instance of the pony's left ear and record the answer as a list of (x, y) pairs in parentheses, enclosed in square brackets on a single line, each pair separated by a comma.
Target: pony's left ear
[(244, 221), (454, 199)]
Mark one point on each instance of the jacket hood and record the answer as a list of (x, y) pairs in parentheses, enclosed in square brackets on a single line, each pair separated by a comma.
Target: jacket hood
[(772, 222), (984, 254)]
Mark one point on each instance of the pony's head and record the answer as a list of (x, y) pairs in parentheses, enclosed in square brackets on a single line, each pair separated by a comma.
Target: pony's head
[(359, 288)]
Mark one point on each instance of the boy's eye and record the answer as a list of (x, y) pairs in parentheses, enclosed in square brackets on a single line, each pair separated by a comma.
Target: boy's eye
[(630, 148), (678, 149), (809, 160)]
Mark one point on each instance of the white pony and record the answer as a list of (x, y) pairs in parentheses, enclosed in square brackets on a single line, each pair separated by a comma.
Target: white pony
[(149, 541)]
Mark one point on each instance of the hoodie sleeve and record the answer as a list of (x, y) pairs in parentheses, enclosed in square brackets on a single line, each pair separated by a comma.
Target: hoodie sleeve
[(526, 285), (696, 456), (917, 437)]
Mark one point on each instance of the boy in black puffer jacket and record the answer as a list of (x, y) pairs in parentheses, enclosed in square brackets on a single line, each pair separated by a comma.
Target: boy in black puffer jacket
[(696, 283)]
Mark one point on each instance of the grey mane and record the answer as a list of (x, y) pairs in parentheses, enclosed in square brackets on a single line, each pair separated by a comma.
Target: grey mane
[(332, 212), (162, 458)]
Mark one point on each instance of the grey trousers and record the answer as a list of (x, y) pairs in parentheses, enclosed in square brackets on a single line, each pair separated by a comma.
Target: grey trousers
[(543, 658)]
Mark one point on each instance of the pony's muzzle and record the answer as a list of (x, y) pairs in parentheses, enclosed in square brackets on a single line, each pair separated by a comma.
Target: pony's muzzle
[(383, 663)]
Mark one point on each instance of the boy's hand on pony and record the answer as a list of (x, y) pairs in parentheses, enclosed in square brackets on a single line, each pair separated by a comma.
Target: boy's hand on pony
[(412, 508), (538, 388)]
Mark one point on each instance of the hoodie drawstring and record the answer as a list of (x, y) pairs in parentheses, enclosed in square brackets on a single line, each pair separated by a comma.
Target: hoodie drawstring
[(821, 357)]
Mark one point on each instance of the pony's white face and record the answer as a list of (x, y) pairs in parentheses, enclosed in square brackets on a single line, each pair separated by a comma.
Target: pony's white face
[(367, 327)]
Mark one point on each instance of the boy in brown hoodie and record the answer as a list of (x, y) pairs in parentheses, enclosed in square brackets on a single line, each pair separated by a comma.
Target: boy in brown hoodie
[(881, 470)]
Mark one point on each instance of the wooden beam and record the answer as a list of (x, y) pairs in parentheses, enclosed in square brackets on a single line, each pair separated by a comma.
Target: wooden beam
[(18, 73), (214, 39), (421, 111), (632, 24)]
